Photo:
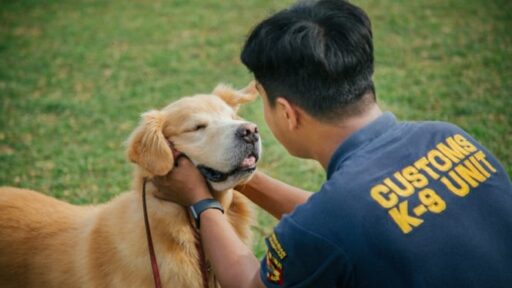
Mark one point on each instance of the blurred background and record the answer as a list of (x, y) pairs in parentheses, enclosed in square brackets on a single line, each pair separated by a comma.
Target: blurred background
[(76, 75)]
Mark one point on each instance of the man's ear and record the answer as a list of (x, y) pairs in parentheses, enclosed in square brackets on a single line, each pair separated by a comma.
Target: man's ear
[(289, 112), (235, 98), (148, 147)]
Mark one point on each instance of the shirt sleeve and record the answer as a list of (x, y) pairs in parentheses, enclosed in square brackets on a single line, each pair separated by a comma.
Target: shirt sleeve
[(297, 257)]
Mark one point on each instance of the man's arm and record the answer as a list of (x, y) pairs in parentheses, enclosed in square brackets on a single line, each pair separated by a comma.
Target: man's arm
[(274, 196), (233, 263)]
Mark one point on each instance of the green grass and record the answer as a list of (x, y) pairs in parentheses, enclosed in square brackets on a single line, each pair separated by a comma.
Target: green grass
[(75, 76)]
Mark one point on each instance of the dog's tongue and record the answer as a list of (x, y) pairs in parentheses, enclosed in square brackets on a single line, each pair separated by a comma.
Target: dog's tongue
[(249, 162)]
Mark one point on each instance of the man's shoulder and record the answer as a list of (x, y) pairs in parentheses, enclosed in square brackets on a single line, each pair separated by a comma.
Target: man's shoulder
[(412, 125), (404, 145), (426, 127), (405, 140)]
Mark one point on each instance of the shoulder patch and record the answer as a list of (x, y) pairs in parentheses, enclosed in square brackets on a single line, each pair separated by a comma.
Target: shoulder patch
[(274, 269), (276, 246)]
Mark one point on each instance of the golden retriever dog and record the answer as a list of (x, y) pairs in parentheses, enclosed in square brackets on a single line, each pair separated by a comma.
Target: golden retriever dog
[(45, 242)]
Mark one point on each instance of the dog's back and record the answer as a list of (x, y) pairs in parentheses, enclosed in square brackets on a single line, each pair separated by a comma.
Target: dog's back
[(45, 242), (35, 231)]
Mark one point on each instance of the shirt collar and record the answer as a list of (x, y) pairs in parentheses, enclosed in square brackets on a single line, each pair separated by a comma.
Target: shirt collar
[(364, 135)]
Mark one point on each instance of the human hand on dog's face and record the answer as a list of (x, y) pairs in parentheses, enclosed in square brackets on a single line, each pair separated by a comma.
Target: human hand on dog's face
[(183, 185)]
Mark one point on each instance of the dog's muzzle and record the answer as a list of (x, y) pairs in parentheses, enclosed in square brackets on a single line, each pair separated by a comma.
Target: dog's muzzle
[(248, 165)]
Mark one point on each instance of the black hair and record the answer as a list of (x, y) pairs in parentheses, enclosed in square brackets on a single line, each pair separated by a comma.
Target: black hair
[(317, 55)]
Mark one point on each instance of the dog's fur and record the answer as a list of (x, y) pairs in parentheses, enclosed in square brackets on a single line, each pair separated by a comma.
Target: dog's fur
[(45, 242)]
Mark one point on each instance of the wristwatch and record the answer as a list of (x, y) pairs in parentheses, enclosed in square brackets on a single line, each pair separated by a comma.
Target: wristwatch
[(201, 206)]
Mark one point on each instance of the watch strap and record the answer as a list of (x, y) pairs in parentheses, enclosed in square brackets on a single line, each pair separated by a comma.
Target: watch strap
[(201, 206)]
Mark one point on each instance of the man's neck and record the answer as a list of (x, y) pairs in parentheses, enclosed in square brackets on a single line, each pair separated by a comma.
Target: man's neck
[(325, 139)]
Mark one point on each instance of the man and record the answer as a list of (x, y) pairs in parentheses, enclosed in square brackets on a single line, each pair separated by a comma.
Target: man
[(404, 205)]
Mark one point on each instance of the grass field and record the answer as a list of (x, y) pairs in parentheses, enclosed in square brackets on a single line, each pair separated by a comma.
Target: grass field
[(76, 75)]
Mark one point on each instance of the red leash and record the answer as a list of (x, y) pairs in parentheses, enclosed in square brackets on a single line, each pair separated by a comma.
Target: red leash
[(203, 267), (152, 255)]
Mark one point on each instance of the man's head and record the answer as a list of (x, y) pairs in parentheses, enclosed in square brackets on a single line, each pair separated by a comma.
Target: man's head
[(318, 55)]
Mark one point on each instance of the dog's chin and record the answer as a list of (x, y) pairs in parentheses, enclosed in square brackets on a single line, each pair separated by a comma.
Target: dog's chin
[(221, 180), (234, 179)]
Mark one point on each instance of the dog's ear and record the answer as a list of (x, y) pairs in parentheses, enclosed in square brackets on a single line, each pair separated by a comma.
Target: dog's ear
[(148, 147), (234, 97)]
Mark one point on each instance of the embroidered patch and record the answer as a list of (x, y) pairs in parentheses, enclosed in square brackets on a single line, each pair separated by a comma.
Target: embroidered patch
[(274, 243), (274, 269)]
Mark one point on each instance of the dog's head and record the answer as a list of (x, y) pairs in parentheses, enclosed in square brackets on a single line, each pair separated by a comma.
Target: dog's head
[(204, 127)]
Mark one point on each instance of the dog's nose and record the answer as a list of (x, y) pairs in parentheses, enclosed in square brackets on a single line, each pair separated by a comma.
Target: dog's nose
[(248, 132)]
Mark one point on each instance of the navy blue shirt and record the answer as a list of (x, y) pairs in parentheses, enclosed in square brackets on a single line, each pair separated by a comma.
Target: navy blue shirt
[(406, 204)]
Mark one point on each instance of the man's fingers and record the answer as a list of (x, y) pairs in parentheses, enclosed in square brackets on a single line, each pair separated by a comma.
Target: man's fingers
[(159, 180), (183, 161)]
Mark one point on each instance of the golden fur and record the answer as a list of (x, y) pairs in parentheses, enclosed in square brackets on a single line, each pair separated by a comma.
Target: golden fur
[(45, 242)]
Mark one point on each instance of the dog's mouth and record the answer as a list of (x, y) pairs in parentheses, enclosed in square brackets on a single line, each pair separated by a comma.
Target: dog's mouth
[(247, 165)]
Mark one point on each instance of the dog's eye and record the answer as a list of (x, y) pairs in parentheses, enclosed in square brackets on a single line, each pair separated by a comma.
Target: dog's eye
[(196, 128), (199, 127)]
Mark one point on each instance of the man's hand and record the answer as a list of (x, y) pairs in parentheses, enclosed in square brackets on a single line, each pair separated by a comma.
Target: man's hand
[(183, 185)]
